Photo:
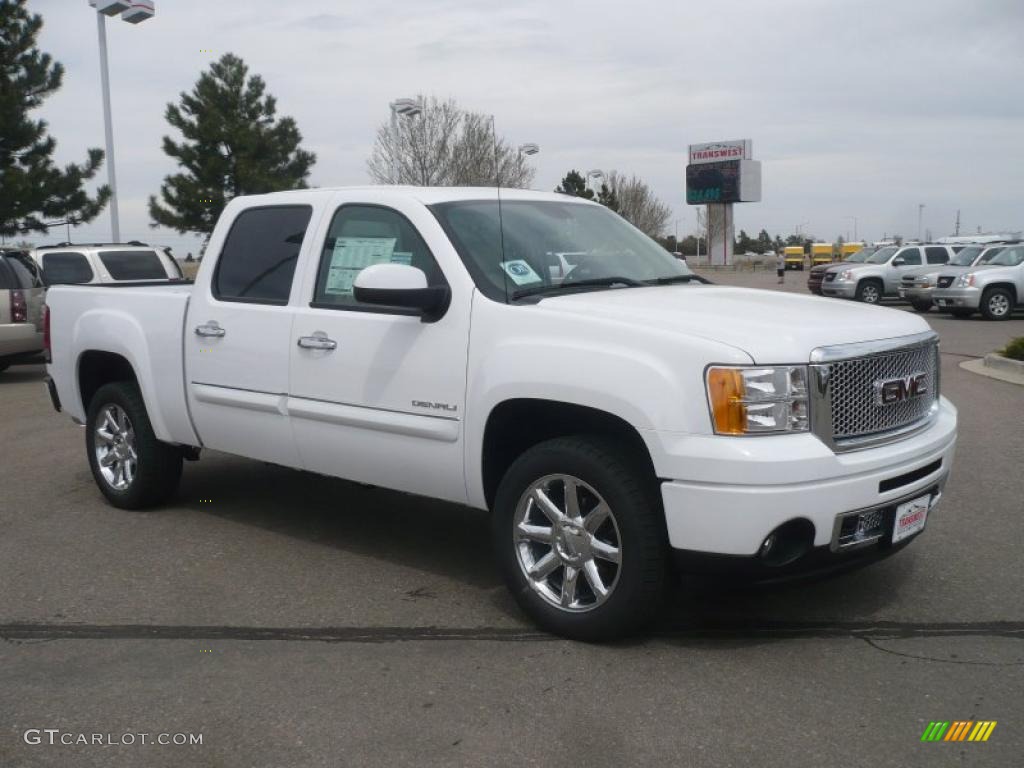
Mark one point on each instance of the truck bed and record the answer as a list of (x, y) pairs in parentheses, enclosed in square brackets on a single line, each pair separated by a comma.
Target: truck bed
[(143, 323)]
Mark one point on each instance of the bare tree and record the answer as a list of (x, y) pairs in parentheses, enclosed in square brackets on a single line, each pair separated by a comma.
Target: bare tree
[(446, 146), (638, 204)]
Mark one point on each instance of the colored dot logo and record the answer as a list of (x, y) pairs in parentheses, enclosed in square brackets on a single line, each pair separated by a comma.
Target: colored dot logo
[(206, 501)]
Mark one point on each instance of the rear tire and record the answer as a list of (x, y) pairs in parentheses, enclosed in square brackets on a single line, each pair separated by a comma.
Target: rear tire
[(921, 306), (612, 538), (996, 304), (132, 468), (869, 291)]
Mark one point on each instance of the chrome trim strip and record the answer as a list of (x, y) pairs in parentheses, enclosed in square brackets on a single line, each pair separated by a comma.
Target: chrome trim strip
[(871, 348)]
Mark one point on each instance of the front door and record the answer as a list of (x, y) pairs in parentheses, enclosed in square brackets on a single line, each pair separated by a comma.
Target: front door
[(377, 394), (911, 258), (238, 336)]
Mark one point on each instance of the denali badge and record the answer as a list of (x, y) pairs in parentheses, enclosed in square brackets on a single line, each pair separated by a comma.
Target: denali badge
[(892, 391), (434, 406)]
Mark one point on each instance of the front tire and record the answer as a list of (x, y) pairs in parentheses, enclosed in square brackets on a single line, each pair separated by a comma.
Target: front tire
[(579, 534), (869, 291), (996, 304), (132, 468), (921, 306)]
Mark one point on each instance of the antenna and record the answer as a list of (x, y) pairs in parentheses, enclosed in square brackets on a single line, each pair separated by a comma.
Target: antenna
[(501, 222)]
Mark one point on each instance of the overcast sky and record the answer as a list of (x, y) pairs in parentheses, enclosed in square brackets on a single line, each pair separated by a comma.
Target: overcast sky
[(861, 108)]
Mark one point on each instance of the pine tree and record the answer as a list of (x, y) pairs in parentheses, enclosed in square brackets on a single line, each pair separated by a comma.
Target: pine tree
[(32, 189), (574, 184), (607, 197), (234, 144)]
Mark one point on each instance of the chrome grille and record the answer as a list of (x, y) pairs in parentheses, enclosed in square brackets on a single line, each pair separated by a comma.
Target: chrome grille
[(855, 412)]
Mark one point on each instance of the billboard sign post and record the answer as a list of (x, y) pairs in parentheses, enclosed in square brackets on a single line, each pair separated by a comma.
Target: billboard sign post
[(719, 174)]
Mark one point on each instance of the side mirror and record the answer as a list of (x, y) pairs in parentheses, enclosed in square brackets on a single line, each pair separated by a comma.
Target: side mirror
[(400, 285), (898, 261)]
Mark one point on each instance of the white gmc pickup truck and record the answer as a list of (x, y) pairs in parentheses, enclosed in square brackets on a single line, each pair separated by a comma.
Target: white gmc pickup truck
[(532, 355)]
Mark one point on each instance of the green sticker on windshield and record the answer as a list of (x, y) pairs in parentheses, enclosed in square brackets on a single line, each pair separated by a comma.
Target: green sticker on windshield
[(520, 272)]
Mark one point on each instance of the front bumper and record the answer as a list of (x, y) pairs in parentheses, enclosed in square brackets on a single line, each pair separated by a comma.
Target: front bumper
[(748, 487), (953, 298), (840, 289), (916, 293)]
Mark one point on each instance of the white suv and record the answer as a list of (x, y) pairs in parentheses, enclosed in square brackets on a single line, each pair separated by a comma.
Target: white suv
[(881, 273), (70, 264)]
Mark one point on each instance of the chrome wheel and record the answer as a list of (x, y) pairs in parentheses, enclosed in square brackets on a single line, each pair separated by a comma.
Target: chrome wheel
[(998, 305), (116, 453), (869, 294), (567, 543)]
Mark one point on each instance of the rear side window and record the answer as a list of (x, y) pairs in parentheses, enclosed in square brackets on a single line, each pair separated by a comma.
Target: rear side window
[(133, 265), (258, 259), (936, 255), (63, 268), (911, 255)]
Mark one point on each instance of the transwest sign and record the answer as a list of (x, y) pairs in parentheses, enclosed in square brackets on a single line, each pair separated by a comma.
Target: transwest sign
[(716, 151)]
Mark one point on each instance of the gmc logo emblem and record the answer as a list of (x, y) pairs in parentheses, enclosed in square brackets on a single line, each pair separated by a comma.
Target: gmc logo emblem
[(892, 391)]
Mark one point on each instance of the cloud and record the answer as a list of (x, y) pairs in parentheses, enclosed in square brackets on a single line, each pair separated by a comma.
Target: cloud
[(856, 107)]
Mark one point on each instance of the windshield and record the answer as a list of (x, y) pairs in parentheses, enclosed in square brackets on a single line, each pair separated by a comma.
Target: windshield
[(990, 254), (1010, 257), (965, 257), (860, 256), (549, 246), (881, 255)]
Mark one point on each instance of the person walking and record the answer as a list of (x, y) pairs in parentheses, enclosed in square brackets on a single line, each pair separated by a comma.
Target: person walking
[(780, 267)]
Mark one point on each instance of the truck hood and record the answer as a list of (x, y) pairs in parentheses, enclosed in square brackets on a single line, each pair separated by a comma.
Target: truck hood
[(770, 326)]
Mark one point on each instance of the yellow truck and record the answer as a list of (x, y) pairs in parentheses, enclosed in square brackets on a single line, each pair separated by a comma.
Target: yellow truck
[(821, 253), (848, 249), (794, 257)]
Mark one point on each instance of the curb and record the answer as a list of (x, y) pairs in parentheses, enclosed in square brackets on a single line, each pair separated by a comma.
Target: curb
[(1004, 369)]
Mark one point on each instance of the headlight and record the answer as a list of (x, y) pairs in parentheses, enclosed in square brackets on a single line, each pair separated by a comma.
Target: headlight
[(753, 401), (965, 280), (845, 275)]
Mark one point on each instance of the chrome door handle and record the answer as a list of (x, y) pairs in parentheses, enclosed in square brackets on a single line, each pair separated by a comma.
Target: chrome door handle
[(317, 341), (211, 328)]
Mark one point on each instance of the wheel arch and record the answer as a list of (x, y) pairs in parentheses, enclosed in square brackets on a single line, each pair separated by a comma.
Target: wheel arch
[(517, 424), (1004, 285)]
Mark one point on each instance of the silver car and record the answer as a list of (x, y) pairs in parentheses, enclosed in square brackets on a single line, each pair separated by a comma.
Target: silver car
[(881, 274), (993, 289), (917, 287), (21, 307)]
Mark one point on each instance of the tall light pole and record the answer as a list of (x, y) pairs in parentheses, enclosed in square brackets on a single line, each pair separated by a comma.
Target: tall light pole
[(854, 226), (920, 215), (134, 13), (405, 108)]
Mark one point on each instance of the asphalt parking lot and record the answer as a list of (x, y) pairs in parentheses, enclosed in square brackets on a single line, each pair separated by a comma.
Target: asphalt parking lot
[(296, 620)]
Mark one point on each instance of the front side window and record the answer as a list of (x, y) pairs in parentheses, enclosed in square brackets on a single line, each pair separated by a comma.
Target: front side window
[(991, 253), (363, 235), (258, 259), (66, 268), (133, 265), (1011, 257), (936, 255), (529, 246)]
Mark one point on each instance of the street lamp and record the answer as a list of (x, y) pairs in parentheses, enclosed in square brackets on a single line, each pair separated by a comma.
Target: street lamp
[(854, 227), (920, 214), (595, 174), (528, 149), (134, 12), (406, 108)]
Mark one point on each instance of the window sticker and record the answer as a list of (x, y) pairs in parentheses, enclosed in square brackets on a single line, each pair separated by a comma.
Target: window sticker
[(353, 254), (520, 272), (402, 257)]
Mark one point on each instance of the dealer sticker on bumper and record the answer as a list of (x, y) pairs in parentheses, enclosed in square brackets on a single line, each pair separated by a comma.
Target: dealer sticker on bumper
[(910, 518)]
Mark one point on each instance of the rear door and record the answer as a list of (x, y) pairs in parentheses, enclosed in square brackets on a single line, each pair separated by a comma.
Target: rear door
[(383, 404), (238, 335)]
